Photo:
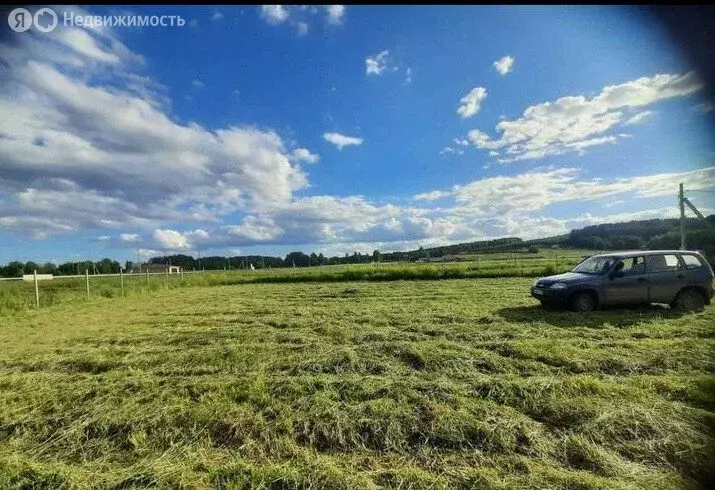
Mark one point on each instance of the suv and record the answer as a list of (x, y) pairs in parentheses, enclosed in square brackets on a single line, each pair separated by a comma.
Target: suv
[(680, 278)]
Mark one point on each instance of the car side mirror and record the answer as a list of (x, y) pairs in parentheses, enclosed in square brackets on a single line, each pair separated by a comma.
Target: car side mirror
[(617, 274)]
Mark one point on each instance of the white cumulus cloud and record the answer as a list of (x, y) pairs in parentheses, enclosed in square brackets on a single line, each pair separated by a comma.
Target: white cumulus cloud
[(376, 64), (472, 102), (304, 155), (341, 140), (575, 122), (274, 14), (504, 65), (335, 13), (639, 117)]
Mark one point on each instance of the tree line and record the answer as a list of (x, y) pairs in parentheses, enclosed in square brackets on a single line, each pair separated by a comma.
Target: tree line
[(651, 234), (17, 268)]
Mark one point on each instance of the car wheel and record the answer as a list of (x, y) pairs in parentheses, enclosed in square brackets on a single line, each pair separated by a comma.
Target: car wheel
[(689, 300), (583, 302)]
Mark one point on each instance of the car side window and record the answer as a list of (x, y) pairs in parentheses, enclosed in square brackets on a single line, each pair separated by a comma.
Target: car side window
[(691, 261), (663, 263), (631, 266)]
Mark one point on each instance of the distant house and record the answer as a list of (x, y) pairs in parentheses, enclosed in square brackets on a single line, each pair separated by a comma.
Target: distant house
[(155, 268)]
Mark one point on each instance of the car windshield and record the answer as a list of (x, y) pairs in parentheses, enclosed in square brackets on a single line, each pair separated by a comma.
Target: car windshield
[(594, 265)]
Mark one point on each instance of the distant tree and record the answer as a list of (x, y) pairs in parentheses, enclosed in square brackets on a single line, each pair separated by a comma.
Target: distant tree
[(107, 266), (422, 253), (48, 268), (31, 266), (595, 242), (13, 269), (376, 256), (665, 241), (627, 242), (298, 258)]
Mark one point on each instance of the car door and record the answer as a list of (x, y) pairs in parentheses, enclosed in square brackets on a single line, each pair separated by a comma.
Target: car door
[(628, 282), (664, 277)]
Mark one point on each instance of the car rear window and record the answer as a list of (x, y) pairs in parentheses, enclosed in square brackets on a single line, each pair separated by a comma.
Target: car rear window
[(691, 261), (663, 262)]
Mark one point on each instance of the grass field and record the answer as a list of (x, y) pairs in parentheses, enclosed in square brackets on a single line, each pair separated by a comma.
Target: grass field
[(463, 383), (19, 295)]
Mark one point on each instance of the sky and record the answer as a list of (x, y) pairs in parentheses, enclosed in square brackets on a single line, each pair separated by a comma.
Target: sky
[(267, 129)]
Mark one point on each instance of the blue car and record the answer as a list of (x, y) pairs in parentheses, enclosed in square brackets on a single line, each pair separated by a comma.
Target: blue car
[(683, 279)]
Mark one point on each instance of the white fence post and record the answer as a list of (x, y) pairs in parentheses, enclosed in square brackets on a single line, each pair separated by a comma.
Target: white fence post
[(86, 276), (121, 280), (37, 291)]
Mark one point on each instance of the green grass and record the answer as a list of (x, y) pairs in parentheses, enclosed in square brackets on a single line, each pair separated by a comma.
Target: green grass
[(405, 384), (19, 295)]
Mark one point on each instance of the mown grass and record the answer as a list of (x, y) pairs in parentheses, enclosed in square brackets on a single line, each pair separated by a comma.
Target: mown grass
[(19, 295), (406, 384)]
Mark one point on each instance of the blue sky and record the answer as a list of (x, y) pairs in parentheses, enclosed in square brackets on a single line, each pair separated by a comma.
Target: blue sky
[(334, 129)]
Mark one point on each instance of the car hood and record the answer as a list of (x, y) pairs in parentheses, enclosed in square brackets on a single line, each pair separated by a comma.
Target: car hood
[(566, 277)]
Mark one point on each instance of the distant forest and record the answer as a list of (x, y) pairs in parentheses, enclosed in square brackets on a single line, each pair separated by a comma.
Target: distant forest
[(631, 235)]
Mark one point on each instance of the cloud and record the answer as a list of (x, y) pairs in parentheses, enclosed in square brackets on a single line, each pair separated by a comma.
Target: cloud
[(129, 237), (341, 140), (639, 117), (471, 103), (170, 239), (504, 65), (302, 28), (82, 42), (575, 122), (376, 64), (485, 208), (430, 196), (217, 16), (408, 76), (274, 14), (96, 148), (335, 13), (448, 150), (300, 16), (535, 190), (304, 155), (197, 84), (253, 229), (92, 146)]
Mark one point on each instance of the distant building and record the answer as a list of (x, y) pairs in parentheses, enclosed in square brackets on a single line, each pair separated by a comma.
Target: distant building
[(155, 268)]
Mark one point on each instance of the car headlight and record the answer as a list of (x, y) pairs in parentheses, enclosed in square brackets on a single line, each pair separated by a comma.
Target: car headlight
[(558, 285)]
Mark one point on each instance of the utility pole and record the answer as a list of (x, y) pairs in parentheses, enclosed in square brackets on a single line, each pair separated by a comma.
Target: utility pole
[(681, 202)]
